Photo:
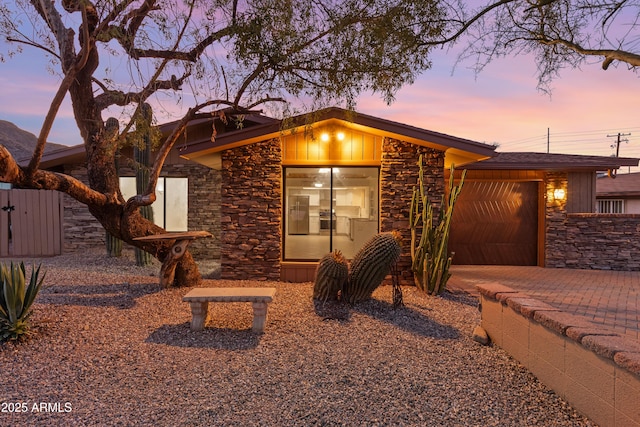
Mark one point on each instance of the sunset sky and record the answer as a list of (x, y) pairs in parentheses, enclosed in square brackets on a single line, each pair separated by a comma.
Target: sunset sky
[(500, 105)]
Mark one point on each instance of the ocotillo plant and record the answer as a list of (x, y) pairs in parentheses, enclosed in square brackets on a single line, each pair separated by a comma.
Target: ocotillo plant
[(430, 239), (142, 154), (114, 245)]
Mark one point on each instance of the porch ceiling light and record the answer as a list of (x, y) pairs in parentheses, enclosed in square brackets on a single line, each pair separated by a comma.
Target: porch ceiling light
[(340, 136), (317, 184), (324, 136)]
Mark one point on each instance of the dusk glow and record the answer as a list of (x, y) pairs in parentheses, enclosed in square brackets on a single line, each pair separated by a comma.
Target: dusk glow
[(500, 105)]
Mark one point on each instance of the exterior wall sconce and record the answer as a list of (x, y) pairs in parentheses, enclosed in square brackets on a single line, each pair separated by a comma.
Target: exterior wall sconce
[(559, 194)]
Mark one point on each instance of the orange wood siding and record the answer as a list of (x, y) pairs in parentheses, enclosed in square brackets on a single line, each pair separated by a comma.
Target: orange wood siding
[(309, 148)]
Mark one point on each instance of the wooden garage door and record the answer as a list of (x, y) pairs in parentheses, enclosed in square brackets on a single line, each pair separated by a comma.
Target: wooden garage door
[(495, 223)]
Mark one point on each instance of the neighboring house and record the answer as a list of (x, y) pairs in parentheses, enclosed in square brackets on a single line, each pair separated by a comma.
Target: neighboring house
[(279, 196), (618, 194)]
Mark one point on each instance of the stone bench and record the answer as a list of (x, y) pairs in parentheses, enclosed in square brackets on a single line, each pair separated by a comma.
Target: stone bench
[(199, 299)]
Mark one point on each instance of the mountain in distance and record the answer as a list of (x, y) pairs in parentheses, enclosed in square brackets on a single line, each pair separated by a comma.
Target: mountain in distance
[(21, 143)]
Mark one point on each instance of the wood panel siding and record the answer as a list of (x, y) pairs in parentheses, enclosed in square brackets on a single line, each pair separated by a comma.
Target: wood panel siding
[(581, 192), (499, 175), (341, 146), (496, 223)]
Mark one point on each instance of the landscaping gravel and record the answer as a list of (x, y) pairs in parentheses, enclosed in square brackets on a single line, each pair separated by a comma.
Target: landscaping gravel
[(112, 348)]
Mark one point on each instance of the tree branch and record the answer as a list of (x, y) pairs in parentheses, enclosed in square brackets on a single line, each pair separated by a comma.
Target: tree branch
[(12, 173), (610, 55), (59, 97), (149, 196)]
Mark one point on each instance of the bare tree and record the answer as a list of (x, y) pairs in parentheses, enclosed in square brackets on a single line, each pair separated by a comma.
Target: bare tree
[(559, 33), (208, 54)]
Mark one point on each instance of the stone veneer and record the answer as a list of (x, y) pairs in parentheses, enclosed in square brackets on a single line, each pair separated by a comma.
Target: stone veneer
[(251, 211), (83, 231), (398, 174), (589, 240)]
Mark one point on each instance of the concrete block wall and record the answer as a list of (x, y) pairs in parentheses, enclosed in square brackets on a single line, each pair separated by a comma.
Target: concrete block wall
[(594, 369)]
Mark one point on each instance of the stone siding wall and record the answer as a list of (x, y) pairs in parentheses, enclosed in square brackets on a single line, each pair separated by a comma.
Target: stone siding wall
[(251, 211), (82, 231), (595, 241), (204, 206), (398, 174), (589, 240)]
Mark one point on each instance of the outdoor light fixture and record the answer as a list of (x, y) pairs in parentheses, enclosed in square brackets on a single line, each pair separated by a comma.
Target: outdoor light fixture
[(329, 135), (559, 194), (317, 184)]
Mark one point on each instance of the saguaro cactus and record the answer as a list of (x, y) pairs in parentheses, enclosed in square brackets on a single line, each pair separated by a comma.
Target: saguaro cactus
[(430, 239), (142, 154), (114, 245), (331, 277), (371, 265)]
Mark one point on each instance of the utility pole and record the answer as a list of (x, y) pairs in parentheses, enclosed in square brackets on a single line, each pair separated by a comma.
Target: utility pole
[(617, 144), (548, 140)]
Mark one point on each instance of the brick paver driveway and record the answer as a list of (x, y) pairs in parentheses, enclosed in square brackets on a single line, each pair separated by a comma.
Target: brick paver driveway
[(608, 298)]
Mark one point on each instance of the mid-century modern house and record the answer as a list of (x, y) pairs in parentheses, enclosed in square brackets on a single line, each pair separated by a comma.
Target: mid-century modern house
[(277, 196)]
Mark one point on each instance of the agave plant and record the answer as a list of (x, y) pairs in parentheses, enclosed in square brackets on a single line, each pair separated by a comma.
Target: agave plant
[(16, 299)]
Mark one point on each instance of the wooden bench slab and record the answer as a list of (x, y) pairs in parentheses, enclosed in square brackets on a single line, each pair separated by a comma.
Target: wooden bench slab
[(199, 299)]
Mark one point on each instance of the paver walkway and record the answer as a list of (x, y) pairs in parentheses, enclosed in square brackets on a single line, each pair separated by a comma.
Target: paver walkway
[(607, 298)]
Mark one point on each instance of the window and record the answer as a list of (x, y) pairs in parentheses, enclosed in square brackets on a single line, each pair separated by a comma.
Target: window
[(610, 206), (5, 186), (171, 208), (329, 208)]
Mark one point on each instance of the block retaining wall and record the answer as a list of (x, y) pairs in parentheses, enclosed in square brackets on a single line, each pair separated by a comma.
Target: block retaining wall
[(597, 371)]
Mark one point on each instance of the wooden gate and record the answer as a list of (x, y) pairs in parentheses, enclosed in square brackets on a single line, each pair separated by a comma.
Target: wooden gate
[(495, 223), (30, 223)]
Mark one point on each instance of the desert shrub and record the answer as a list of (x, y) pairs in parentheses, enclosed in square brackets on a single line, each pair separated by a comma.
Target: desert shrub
[(16, 300)]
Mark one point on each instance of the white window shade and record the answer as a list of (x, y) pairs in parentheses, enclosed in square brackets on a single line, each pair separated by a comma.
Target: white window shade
[(171, 208)]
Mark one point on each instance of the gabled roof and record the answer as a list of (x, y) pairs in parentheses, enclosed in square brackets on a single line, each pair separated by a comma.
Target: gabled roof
[(623, 185), (553, 162), (463, 150)]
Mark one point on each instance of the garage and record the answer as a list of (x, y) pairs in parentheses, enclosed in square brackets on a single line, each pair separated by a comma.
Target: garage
[(496, 223)]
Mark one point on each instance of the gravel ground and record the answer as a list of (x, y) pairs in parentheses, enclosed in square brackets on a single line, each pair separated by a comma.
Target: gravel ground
[(112, 348)]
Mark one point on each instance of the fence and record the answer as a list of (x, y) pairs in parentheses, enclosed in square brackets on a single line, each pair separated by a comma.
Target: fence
[(594, 241), (30, 223)]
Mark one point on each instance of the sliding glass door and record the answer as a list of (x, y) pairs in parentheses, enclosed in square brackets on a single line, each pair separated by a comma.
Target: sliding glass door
[(328, 208)]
